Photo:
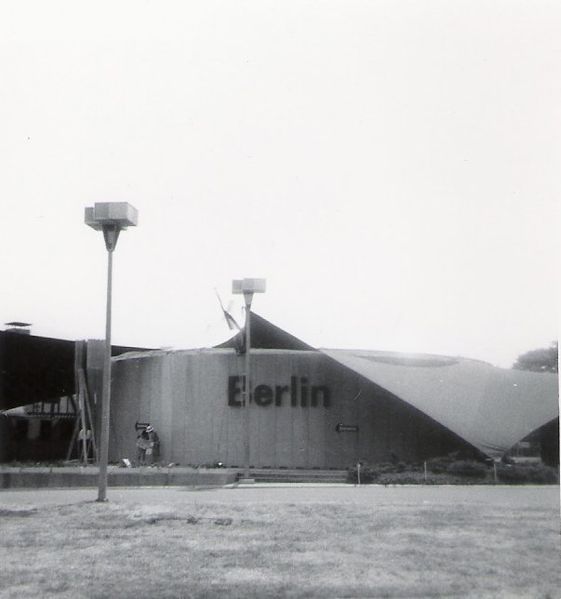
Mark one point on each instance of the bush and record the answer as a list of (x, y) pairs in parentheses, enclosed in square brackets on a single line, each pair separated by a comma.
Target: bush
[(403, 478), (385, 467), (439, 465), (367, 475), (519, 474), (468, 468)]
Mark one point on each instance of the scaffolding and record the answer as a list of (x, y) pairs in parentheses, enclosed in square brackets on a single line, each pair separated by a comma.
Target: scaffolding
[(83, 441)]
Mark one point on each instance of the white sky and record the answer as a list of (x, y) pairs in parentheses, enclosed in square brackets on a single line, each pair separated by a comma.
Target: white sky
[(392, 168)]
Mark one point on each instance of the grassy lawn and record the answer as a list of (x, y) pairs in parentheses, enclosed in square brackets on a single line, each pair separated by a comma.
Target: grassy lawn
[(301, 549)]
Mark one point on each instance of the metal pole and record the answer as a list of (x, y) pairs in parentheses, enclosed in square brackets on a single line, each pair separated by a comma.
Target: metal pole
[(247, 385), (83, 428), (106, 394)]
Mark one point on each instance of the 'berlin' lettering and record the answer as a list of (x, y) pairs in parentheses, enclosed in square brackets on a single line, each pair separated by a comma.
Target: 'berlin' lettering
[(298, 393)]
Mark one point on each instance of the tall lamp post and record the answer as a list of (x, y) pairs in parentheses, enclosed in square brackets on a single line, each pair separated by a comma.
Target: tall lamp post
[(110, 218), (247, 287)]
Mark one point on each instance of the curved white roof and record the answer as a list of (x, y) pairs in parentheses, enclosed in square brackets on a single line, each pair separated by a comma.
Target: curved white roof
[(491, 408)]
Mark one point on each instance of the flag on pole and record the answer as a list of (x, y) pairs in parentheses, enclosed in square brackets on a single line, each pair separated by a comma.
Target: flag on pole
[(230, 320), (233, 326)]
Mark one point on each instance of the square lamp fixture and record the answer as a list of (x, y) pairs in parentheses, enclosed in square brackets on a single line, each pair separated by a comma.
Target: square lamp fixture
[(121, 214), (249, 286)]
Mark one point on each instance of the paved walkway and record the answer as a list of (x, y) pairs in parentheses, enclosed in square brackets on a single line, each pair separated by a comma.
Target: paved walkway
[(500, 496)]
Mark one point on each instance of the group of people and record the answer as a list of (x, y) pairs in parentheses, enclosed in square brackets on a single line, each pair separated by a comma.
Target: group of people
[(147, 447)]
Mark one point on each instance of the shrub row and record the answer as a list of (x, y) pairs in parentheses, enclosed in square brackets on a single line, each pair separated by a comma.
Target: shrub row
[(447, 471), (519, 474)]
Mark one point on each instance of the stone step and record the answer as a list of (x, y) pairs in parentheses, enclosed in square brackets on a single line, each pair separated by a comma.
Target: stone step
[(298, 476)]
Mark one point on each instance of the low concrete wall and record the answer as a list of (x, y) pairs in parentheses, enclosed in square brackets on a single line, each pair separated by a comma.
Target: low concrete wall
[(40, 478)]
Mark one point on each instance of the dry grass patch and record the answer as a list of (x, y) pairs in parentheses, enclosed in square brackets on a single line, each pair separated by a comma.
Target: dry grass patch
[(124, 550)]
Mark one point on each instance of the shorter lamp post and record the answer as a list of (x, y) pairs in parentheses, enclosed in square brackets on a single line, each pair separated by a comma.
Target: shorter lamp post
[(247, 287), (110, 218)]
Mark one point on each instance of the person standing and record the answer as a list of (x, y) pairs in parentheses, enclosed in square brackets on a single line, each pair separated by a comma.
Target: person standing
[(142, 445), (154, 449)]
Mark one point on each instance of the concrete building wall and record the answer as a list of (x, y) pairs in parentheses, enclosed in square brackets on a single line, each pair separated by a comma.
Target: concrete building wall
[(193, 400), (4, 438)]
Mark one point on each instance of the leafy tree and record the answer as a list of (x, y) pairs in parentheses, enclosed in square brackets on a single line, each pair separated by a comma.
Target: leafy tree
[(544, 360), (539, 360)]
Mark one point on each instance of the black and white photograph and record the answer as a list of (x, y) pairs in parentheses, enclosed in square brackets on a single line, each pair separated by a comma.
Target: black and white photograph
[(280, 307)]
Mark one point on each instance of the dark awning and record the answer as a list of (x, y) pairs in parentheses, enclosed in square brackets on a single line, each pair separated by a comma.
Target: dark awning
[(34, 369), (266, 335)]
